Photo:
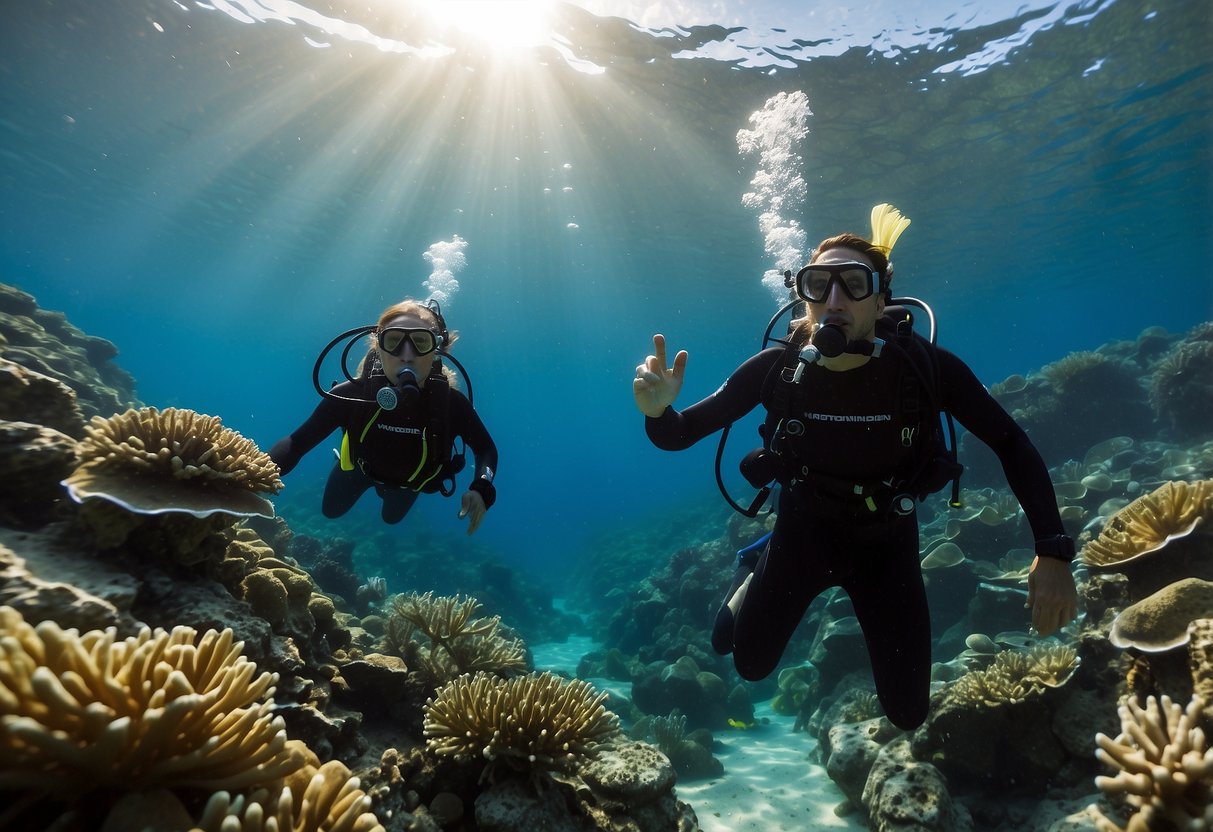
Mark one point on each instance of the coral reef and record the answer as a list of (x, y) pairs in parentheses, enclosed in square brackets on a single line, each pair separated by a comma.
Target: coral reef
[(47, 343), (1164, 766), (1181, 388), (535, 722), (442, 637)]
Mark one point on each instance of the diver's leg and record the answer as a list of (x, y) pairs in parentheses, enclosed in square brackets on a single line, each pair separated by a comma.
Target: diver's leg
[(891, 605), (787, 578), (342, 490), (396, 502), (722, 628)]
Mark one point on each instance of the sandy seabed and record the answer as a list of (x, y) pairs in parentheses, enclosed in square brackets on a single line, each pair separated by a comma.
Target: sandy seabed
[(770, 783)]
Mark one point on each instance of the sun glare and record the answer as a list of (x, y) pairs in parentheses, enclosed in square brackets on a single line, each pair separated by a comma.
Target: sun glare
[(505, 24)]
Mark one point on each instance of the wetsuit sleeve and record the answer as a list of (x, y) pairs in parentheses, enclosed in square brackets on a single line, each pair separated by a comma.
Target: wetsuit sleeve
[(467, 423), (326, 418), (980, 414), (674, 430)]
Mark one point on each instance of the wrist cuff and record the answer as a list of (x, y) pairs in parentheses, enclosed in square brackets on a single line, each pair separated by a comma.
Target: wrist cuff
[(486, 490), (1058, 547)]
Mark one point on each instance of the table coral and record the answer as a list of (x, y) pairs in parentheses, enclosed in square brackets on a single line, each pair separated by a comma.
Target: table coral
[(81, 712), (1150, 522), (150, 461), (533, 722), (1165, 768)]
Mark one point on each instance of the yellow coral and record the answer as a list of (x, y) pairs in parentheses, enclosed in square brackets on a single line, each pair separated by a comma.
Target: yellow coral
[(150, 461), (1150, 522), (1165, 768), (441, 636), (327, 799), (538, 721), (80, 712)]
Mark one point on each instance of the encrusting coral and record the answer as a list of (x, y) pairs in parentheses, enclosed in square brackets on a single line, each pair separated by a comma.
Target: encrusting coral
[(325, 799), (1015, 675), (1150, 522), (85, 712), (150, 461), (536, 722), (442, 637), (1165, 767)]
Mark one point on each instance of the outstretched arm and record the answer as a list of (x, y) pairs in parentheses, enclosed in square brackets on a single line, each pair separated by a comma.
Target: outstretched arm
[(1052, 596)]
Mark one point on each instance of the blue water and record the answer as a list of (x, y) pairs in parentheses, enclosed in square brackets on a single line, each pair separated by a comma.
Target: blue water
[(220, 188)]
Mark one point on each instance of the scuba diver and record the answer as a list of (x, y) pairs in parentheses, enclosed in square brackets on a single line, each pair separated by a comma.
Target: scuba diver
[(399, 420), (852, 438)]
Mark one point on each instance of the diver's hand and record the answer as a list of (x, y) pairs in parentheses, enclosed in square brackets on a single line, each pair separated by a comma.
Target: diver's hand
[(1051, 595), (472, 506), (656, 385)]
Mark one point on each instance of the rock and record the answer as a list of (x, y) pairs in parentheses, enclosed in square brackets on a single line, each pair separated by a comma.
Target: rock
[(49, 575), (904, 794), (853, 748), (35, 460)]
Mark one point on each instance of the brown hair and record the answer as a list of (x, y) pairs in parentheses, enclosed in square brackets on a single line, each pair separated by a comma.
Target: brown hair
[(878, 256)]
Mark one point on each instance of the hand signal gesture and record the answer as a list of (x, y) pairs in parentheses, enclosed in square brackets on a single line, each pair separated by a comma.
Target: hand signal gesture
[(657, 385)]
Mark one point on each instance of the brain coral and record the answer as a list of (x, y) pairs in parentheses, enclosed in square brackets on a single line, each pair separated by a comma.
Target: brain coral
[(531, 722), (151, 461), (1160, 621), (81, 712), (1150, 522)]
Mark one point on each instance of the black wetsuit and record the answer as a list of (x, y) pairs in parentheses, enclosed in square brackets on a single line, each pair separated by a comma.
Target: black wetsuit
[(856, 429), (400, 453)]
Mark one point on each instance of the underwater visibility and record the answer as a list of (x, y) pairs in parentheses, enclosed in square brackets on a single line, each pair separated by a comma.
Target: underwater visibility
[(326, 504)]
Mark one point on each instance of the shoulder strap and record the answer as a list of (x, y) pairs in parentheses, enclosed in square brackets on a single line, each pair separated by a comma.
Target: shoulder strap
[(440, 425)]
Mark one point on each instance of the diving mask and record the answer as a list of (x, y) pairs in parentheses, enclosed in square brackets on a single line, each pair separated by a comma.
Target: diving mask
[(858, 281), (393, 338)]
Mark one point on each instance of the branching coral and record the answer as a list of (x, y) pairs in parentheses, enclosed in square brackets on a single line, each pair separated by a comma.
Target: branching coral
[(150, 461), (89, 711), (668, 732), (1165, 769), (327, 799), (1015, 675), (441, 636), (1150, 522), (534, 722)]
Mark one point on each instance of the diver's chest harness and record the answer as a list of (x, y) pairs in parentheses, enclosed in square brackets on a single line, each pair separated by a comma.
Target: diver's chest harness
[(373, 435), (909, 427)]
